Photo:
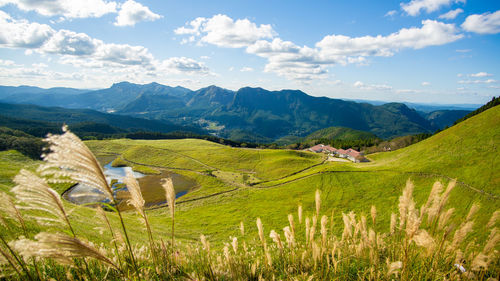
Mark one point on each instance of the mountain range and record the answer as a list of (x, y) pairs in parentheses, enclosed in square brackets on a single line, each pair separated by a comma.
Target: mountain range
[(249, 114)]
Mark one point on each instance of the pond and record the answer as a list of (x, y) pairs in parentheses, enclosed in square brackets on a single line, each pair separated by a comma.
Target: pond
[(151, 188)]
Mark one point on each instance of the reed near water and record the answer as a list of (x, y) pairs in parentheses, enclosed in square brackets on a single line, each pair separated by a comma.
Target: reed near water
[(421, 243)]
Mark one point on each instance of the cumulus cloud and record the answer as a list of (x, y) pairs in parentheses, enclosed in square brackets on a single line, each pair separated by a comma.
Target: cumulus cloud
[(67, 42), (223, 31), (432, 33), (183, 65), (426, 83), (21, 33), (480, 74), (81, 50), (451, 14), (66, 8), (132, 12), (414, 7), (486, 23), (287, 59)]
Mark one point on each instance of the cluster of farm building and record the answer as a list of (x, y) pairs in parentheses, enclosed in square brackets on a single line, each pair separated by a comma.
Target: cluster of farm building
[(350, 154)]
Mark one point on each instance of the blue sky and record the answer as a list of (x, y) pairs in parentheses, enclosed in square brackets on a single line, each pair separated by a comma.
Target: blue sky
[(427, 51)]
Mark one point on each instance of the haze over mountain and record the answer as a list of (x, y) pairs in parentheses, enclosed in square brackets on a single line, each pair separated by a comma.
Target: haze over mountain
[(245, 114)]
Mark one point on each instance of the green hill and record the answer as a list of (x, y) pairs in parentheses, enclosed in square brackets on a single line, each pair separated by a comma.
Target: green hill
[(339, 133), (467, 151)]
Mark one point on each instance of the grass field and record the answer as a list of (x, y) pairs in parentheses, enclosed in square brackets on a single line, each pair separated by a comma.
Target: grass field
[(237, 184)]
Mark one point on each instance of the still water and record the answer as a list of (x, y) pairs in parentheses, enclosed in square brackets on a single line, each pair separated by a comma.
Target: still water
[(152, 191)]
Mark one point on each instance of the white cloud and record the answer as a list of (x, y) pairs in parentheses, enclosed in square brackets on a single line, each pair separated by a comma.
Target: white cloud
[(486, 23), (193, 27), (414, 7), (132, 12), (480, 74), (463, 50), (289, 60), (451, 14), (432, 33), (67, 42), (370, 87), (489, 81), (7, 63), (246, 69), (66, 8), (426, 84), (391, 13), (183, 65), (223, 31), (82, 51), (21, 33)]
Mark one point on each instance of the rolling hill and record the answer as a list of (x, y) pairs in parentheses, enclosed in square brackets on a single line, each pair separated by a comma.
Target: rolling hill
[(467, 151)]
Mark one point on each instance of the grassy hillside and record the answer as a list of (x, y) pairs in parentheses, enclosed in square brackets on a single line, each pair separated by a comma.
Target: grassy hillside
[(342, 133), (467, 151)]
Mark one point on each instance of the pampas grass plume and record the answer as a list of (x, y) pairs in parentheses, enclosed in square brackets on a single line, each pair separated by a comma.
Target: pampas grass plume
[(317, 199)]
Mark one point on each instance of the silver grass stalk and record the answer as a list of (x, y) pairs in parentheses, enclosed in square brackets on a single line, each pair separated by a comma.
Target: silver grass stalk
[(234, 243), (324, 221), (373, 213), (444, 218), (242, 228), (261, 233), (10, 210), (493, 240), (292, 224), (404, 203), (432, 205), (299, 212), (446, 195), (276, 238), (168, 186), (317, 199), (493, 219), (37, 195), (473, 210), (392, 227), (393, 268), (290, 239), (136, 200), (70, 160), (60, 247)]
